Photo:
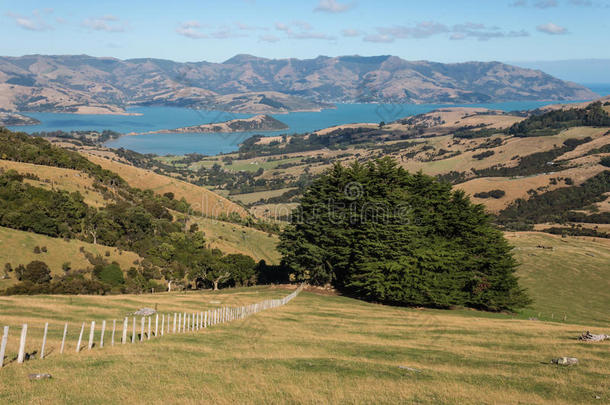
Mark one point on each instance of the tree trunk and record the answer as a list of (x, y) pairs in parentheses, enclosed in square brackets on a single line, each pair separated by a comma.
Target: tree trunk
[(169, 286), (216, 285)]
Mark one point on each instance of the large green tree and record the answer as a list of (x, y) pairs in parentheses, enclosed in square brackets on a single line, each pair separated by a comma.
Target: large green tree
[(379, 233)]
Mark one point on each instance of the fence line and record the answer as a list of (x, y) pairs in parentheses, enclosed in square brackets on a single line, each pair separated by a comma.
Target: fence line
[(182, 322)]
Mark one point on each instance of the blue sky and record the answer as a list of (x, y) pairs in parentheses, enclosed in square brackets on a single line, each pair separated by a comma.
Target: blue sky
[(444, 31)]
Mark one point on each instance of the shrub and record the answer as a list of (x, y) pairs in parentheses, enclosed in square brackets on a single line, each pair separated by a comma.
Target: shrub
[(483, 155), (110, 274), (497, 194), (37, 272), (490, 194), (37, 250), (605, 161)]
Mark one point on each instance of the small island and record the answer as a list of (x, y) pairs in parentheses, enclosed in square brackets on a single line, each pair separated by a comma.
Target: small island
[(11, 119), (261, 122)]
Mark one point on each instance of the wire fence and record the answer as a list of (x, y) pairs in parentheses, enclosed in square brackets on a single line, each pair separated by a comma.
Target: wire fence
[(135, 329)]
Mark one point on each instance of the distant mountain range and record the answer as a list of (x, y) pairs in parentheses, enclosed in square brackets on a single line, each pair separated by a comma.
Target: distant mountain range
[(246, 83)]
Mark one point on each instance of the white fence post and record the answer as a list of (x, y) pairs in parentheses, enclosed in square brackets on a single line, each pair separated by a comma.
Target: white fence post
[(113, 330), (44, 339), (3, 345), (91, 334), (179, 321), (142, 329), (103, 331), (133, 331), (125, 321), (149, 328), (162, 324), (157, 325), (80, 338), (63, 339), (24, 332)]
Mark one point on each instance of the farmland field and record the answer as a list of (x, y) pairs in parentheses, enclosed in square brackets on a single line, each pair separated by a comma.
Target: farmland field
[(316, 349)]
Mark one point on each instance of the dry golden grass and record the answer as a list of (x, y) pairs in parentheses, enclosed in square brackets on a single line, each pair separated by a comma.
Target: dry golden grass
[(250, 198), (18, 248), (518, 187), (233, 238), (316, 349), (61, 179), (504, 154), (200, 198), (273, 212)]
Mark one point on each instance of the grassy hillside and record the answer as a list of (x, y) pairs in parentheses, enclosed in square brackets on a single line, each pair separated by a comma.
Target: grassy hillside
[(317, 349), (201, 199), (18, 248), (232, 238), (59, 178), (565, 276)]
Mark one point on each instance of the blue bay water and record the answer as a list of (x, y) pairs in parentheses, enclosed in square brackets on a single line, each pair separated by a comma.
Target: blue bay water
[(156, 118)]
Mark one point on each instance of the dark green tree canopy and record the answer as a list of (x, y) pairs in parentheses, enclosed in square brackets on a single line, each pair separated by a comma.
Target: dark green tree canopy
[(379, 233), (37, 272)]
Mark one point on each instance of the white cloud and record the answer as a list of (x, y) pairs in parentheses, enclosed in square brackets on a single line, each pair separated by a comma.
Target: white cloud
[(247, 27), (282, 27), (301, 30), (348, 32), (34, 22), (333, 6), (552, 29), (108, 23), (191, 29), (546, 4), (429, 29), (379, 38), (421, 30), (542, 4), (312, 35), (269, 38)]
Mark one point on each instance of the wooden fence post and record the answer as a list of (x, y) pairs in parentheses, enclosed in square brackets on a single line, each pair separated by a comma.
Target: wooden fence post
[(3, 345), (63, 339), (44, 339), (24, 332), (113, 330), (80, 337), (157, 324), (91, 334), (103, 331)]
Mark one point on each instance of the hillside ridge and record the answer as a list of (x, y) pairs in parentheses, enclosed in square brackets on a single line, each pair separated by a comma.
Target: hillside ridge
[(85, 84)]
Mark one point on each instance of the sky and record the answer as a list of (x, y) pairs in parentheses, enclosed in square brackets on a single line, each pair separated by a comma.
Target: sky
[(443, 31)]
